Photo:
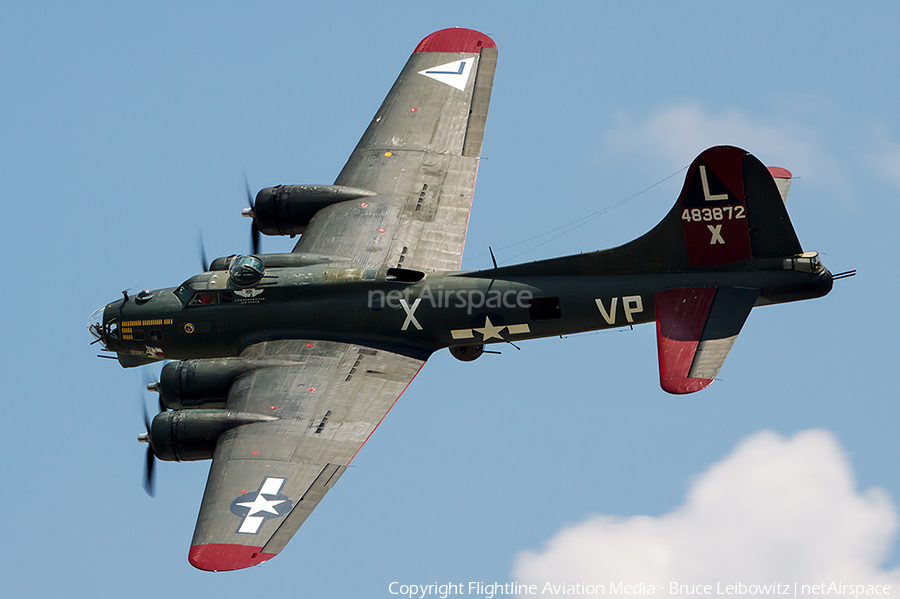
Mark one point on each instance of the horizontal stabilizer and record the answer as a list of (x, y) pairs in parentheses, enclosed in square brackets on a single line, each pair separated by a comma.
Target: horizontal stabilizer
[(695, 329)]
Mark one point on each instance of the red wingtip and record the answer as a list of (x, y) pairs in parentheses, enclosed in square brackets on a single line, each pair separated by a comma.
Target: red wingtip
[(684, 386), (455, 39), (780, 173), (219, 557)]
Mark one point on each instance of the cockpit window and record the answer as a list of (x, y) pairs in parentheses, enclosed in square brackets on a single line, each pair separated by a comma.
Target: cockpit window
[(184, 294), (204, 298), (210, 298)]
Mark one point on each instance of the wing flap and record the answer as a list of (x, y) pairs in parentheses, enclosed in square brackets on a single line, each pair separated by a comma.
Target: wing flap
[(696, 328)]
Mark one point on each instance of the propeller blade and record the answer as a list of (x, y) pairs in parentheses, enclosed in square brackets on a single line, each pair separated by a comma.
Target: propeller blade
[(146, 416), (254, 229), (249, 194), (254, 238), (203, 261), (149, 479)]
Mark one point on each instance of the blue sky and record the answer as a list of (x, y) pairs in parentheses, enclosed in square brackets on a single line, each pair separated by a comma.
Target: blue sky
[(126, 128)]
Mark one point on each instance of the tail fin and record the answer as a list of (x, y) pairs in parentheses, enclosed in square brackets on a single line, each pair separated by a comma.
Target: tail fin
[(729, 210)]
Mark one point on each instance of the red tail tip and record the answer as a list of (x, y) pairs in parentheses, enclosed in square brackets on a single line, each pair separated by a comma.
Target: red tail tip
[(780, 173)]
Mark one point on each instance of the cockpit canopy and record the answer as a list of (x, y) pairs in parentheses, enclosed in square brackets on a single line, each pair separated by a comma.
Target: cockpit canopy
[(246, 270), (213, 287)]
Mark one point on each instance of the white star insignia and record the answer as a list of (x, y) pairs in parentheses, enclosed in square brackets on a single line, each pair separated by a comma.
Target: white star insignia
[(261, 504), (489, 330)]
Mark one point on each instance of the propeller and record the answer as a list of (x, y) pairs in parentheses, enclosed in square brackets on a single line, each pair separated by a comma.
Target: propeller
[(149, 482), (149, 479), (251, 213)]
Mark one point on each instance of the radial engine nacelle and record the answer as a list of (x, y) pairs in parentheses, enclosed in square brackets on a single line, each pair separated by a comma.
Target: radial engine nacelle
[(187, 435), (287, 209), (196, 383)]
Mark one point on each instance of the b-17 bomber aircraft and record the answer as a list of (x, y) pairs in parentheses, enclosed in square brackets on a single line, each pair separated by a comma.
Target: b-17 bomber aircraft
[(281, 366)]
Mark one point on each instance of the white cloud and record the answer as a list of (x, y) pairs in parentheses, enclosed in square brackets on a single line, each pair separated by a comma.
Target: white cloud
[(677, 133), (775, 509), (885, 159)]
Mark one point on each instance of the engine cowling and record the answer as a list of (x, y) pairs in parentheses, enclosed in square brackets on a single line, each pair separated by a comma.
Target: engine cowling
[(188, 435), (196, 383), (287, 209)]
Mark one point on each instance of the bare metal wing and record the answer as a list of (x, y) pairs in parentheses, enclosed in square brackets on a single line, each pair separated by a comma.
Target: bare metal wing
[(267, 477), (420, 155)]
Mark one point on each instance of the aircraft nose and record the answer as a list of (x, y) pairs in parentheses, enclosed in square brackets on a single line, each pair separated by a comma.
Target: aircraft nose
[(95, 325)]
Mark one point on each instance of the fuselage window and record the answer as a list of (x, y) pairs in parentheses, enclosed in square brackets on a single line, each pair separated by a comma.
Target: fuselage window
[(544, 308)]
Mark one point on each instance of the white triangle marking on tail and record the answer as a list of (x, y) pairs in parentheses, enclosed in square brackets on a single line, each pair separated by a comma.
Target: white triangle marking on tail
[(455, 74)]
